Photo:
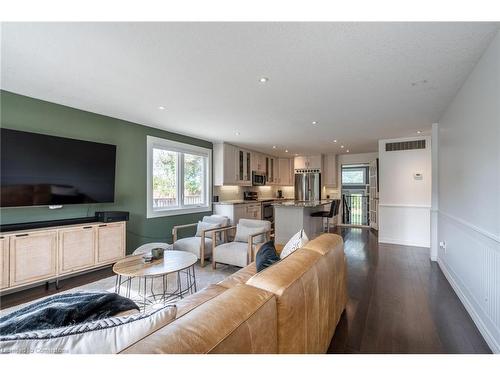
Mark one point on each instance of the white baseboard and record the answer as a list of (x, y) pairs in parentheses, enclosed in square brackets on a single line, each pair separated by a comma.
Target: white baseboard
[(476, 318), (394, 241)]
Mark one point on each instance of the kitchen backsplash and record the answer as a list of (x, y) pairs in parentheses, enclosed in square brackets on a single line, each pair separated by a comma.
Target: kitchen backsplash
[(228, 193)]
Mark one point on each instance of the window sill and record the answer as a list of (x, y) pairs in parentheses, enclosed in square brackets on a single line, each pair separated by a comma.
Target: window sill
[(174, 212)]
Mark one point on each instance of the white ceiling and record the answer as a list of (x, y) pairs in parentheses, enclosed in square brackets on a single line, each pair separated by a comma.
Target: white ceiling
[(354, 79)]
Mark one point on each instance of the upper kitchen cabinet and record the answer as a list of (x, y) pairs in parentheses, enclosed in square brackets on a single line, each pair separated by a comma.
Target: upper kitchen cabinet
[(308, 162), (232, 165), (330, 170), (258, 162), (285, 172), (272, 170)]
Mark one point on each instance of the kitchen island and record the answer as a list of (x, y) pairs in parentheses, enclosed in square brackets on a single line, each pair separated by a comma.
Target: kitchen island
[(292, 216)]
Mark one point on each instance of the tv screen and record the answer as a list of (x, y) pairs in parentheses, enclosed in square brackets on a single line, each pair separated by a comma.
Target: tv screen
[(38, 170)]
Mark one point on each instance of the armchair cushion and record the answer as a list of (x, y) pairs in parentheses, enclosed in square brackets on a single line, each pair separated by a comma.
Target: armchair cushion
[(193, 244), (235, 253), (248, 227), (203, 225)]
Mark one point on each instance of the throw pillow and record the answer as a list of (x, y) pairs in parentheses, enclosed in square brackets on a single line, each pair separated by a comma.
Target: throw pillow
[(203, 225), (266, 256), (298, 240), (105, 336)]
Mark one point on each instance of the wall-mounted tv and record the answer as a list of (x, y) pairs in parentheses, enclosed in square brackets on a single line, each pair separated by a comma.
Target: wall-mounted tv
[(39, 170)]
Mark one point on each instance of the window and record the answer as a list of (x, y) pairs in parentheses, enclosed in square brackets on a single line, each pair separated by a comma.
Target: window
[(354, 176), (179, 178)]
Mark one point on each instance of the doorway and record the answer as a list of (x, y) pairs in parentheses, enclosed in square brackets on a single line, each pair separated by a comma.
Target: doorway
[(355, 194)]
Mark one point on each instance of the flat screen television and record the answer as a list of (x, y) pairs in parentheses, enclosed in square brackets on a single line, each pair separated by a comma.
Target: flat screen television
[(40, 170)]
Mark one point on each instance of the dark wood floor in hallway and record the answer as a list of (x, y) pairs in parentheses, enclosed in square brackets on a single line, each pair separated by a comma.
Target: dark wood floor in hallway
[(400, 302)]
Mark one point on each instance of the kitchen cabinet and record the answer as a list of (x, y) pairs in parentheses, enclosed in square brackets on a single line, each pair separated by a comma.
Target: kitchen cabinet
[(110, 242), (232, 165), (33, 257), (77, 248), (238, 211), (4, 262), (308, 162), (329, 173), (272, 168), (259, 162), (285, 172), (243, 165)]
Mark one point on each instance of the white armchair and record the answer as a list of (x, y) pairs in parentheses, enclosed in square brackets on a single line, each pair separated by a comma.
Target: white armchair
[(201, 244), (240, 252)]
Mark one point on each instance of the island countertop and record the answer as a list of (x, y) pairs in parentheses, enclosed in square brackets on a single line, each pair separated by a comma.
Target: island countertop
[(303, 204)]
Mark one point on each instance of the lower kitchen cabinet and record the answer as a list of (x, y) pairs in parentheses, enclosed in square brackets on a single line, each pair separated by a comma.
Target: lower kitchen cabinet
[(238, 211)]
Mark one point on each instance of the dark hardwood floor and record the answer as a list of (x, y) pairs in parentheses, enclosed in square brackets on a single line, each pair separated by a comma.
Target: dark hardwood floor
[(400, 302)]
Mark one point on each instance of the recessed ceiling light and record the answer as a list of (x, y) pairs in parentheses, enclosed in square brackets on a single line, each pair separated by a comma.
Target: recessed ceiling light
[(237, 133), (263, 79), (419, 132), (161, 108), (274, 147), (286, 150), (334, 141), (315, 122), (347, 151), (341, 146)]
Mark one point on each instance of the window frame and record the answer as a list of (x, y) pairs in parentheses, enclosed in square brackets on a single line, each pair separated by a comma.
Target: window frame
[(181, 148), (350, 169)]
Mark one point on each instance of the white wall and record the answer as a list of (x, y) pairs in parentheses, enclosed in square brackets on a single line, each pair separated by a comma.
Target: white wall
[(469, 194), (404, 202)]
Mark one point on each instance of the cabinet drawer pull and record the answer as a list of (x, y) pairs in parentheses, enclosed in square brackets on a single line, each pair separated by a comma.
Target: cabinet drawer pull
[(22, 235), (89, 227), (103, 225)]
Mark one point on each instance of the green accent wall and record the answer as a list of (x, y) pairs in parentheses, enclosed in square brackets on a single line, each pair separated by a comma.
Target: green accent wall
[(28, 114)]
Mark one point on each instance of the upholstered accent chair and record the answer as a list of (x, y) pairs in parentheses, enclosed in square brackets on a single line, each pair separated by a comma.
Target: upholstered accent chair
[(201, 243), (250, 234)]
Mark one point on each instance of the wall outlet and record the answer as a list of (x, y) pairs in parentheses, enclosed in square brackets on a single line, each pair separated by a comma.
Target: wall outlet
[(442, 245)]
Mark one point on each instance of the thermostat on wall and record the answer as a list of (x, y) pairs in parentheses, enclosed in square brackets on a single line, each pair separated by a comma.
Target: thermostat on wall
[(418, 176)]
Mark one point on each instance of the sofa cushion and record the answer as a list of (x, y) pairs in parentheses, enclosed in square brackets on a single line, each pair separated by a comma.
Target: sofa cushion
[(192, 244), (105, 336), (192, 301), (235, 253), (266, 256), (239, 320), (239, 277)]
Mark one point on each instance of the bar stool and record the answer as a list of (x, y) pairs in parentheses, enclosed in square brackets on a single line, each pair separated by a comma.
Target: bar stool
[(334, 211)]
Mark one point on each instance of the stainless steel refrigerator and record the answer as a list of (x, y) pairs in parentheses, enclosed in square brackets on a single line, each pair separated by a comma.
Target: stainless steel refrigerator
[(308, 186)]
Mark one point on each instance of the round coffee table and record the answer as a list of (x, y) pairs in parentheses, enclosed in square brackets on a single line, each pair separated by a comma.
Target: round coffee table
[(173, 262)]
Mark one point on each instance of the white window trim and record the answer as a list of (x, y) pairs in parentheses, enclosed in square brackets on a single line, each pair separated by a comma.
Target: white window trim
[(155, 142)]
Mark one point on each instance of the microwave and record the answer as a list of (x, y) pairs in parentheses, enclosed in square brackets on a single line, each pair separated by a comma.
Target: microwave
[(258, 178)]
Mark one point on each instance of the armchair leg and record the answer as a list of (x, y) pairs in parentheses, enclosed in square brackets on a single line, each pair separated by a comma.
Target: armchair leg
[(202, 261)]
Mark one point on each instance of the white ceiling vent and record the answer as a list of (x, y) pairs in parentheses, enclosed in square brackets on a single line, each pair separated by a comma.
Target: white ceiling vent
[(403, 146)]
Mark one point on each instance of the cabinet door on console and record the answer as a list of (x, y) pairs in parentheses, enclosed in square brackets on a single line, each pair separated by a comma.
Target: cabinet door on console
[(4, 262), (33, 257), (76, 248), (110, 242)]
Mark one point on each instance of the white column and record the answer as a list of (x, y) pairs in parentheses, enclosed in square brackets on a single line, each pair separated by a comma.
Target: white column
[(435, 194)]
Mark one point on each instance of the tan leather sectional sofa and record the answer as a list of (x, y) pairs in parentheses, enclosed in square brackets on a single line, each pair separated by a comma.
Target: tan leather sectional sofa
[(291, 307)]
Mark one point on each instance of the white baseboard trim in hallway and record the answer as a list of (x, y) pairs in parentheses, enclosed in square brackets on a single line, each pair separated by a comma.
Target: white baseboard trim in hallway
[(471, 263), (487, 335)]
